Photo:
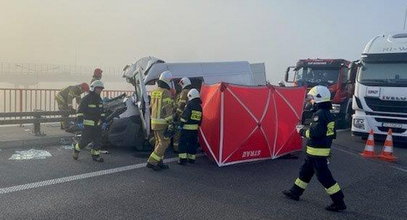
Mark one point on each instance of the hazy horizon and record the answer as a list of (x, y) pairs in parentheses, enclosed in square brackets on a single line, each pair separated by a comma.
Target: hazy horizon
[(116, 33)]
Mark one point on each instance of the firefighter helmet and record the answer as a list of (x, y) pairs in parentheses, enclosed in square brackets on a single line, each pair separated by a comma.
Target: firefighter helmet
[(166, 77), (193, 94), (84, 87), (96, 84), (281, 83), (185, 82), (98, 73), (320, 94)]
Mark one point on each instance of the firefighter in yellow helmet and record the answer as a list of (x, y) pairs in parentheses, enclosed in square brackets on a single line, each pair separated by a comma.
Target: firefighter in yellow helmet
[(65, 97), (190, 120), (91, 118), (180, 103), (162, 112), (319, 136)]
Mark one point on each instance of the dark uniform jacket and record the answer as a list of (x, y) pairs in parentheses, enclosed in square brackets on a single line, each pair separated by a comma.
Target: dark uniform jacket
[(321, 131), (192, 115), (90, 111)]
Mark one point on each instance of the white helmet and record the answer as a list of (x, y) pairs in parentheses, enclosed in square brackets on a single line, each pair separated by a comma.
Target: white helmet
[(185, 82), (320, 94), (281, 83), (166, 77), (193, 94), (96, 83)]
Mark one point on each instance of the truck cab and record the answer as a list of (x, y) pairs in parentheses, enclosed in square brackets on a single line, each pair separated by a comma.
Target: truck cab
[(332, 73), (380, 99)]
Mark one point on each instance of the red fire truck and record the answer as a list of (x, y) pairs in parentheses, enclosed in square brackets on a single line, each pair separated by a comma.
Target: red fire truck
[(332, 73)]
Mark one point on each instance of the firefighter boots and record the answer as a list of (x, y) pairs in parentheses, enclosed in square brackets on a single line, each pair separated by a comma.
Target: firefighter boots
[(336, 207), (289, 194), (152, 166), (75, 154), (182, 161), (97, 158)]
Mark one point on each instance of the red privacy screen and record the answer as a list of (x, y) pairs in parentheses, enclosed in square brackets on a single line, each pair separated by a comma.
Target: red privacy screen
[(242, 124)]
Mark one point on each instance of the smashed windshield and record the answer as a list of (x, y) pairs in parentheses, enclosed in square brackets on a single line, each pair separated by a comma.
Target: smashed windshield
[(383, 74), (316, 76)]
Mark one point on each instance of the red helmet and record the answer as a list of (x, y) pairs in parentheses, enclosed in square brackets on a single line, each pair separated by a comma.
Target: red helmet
[(97, 73), (85, 87)]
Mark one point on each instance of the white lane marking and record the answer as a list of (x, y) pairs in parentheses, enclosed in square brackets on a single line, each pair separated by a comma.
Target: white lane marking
[(355, 154), (76, 177), (343, 130)]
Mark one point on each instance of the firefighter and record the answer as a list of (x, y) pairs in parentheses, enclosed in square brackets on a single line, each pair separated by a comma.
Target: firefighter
[(65, 97), (319, 139), (97, 75), (190, 120), (91, 118), (162, 112), (180, 103)]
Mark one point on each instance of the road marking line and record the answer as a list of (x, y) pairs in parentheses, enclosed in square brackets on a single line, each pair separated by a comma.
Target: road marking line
[(355, 154), (77, 177), (342, 130)]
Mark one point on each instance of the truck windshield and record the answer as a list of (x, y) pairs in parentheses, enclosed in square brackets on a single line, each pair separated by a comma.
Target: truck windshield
[(383, 74), (316, 76)]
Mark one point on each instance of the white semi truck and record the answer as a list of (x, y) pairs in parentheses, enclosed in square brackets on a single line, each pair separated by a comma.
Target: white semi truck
[(380, 98)]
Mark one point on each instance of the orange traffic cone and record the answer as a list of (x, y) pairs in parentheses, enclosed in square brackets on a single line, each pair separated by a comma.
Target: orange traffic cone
[(369, 147), (387, 151)]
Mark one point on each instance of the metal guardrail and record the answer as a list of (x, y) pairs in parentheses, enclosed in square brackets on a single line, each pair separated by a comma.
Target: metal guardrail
[(29, 100), (36, 106), (35, 118)]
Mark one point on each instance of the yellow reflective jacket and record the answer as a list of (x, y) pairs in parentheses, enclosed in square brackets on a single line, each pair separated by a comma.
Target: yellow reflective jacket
[(162, 109), (66, 95), (181, 102)]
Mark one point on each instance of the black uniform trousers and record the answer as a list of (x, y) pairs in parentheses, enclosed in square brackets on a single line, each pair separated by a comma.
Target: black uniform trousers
[(319, 167), (188, 143), (92, 134)]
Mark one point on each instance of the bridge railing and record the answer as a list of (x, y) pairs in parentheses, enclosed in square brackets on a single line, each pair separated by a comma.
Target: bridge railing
[(29, 100)]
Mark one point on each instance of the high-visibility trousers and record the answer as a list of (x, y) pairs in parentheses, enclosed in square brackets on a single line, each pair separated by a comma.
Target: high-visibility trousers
[(188, 144), (161, 145), (91, 134), (319, 167)]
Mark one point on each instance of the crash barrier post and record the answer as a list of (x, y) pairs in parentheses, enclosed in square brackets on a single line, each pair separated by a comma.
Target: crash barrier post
[(35, 118)]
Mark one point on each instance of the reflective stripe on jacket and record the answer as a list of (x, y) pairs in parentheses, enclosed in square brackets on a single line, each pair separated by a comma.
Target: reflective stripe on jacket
[(192, 116), (162, 108), (90, 111), (320, 133)]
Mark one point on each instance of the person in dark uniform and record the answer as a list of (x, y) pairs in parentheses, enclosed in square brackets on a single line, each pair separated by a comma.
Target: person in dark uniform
[(91, 118), (319, 136), (190, 120), (180, 103)]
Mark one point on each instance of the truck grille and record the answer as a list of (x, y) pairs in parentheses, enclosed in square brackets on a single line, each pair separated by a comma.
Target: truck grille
[(386, 106), (394, 130)]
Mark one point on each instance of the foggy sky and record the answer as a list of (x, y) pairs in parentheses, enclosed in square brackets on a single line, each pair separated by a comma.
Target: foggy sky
[(118, 32)]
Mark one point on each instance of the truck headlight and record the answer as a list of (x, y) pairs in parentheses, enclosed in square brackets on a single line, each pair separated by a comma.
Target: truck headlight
[(336, 108), (359, 123)]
